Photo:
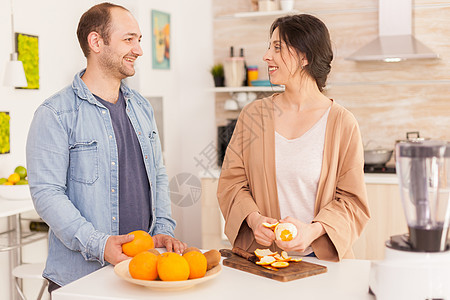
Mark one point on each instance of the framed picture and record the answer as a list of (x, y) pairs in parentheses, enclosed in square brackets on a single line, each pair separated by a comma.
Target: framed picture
[(160, 40), (4, 132), (28, 50)]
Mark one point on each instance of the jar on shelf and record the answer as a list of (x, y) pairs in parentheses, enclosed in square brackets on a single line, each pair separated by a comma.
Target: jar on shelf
[(252, 74)]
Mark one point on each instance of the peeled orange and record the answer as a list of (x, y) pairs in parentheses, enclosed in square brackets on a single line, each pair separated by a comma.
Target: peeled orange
[(285, 232)]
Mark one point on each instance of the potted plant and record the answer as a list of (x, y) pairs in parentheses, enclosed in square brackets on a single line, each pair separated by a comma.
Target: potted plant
[(218, 74)]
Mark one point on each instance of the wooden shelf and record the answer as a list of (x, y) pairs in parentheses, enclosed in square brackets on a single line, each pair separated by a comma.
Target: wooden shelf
[(248, 89), (258, 14)]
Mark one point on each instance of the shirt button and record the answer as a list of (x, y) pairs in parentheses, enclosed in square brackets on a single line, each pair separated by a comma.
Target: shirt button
[(139, 133), (146, 157), (103, 111), (110, 136), (114, 218), (113, 163), (112, 190)]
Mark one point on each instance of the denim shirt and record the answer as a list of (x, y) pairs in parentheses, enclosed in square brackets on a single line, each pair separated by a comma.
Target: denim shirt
[(74, 176)]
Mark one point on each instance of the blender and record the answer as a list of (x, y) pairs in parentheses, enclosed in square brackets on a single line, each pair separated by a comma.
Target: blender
[(417, 264)]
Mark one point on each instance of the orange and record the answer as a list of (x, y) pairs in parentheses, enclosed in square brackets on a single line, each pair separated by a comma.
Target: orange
[(143, 266), (197, 264), (172, 267), (14, 178), (142, 242)]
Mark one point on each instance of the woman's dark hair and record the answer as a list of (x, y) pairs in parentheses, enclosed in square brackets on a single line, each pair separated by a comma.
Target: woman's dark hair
[(309, 35), (98, 19)]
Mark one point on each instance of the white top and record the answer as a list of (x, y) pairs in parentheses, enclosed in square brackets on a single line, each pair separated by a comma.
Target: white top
[(298, 165), (348, 279)]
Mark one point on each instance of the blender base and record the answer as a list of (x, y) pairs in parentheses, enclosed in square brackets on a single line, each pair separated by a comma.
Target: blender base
[(411, 275)]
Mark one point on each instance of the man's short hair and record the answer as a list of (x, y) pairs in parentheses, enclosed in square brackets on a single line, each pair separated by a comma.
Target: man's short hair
[(98, 19)]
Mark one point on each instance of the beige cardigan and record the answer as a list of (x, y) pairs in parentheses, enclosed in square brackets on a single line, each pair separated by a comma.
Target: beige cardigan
[(248, 181)]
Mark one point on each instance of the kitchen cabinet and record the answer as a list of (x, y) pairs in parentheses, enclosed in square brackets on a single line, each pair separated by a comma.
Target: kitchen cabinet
[(387, 219)]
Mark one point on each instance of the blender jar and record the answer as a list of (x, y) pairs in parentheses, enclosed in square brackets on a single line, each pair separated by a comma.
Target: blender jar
[(423, 169)]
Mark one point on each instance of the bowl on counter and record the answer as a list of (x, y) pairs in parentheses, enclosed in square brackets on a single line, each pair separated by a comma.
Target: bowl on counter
[(377, 156), (15, 192)]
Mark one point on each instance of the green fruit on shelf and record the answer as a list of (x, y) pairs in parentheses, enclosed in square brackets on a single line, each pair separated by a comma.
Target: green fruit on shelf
[(22, 182), (3, 180), (22, 171)]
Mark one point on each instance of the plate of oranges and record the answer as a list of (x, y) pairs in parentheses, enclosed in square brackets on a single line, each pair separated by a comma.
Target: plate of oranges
[(166, 271)]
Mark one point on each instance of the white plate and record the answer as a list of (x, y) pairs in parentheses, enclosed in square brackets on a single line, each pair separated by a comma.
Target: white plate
[(15, 192), (121, 270)]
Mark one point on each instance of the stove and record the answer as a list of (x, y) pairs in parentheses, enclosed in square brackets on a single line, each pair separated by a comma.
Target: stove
[(379, 169)]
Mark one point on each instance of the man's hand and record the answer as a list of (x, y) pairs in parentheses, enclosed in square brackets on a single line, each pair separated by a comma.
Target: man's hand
[(263, 236), (170, 243), (113, 248)]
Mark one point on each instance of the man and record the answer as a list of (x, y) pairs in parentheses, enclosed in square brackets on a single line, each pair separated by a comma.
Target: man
[(94, 156)]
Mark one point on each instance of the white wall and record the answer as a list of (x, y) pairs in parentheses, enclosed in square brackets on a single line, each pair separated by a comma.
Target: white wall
[(188, 106)]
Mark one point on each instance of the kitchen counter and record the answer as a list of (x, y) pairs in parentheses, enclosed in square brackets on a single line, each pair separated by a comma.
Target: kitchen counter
[(370, 178), (345, 280)]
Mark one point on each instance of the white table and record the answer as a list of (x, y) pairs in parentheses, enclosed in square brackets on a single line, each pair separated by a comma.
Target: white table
[(13, 239), (345, 280)]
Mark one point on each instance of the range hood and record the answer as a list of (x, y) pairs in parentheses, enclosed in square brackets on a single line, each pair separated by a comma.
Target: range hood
[(395, 41)]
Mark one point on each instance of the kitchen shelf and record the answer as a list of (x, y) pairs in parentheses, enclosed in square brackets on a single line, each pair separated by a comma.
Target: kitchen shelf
[(248, 89), (258, 14)]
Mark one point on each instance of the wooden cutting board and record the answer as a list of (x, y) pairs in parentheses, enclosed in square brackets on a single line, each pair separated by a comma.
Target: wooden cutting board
[(295, 270)]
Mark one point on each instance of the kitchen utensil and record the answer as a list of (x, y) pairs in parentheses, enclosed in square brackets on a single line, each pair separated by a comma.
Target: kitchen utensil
[(422, 257), (295, 270), (377, 156), (121, 270)]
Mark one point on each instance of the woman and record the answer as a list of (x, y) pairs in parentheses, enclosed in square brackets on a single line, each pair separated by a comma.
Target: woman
[(296, 156)]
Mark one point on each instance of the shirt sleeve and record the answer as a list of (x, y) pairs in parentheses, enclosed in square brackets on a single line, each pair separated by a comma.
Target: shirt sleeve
[(345, 216), (233, 193)]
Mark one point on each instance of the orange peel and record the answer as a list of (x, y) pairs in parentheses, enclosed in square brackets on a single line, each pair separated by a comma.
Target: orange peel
[(296, 259), (264, 252), (270, 226), (280, 264), (266, 260)]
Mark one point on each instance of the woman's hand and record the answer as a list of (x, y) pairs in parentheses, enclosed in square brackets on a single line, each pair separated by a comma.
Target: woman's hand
[(263, 235), (306, 234)]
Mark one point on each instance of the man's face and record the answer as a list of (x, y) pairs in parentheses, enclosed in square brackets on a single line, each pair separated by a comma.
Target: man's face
[(124, 47)]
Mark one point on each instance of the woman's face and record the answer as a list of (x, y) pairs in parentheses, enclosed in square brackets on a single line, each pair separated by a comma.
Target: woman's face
[(283, 62)]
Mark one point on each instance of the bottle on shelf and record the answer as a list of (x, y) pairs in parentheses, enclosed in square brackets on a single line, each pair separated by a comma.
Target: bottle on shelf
[(241, 54), (252, 74)]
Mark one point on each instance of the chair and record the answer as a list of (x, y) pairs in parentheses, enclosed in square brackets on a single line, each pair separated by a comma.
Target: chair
[(29, 271)]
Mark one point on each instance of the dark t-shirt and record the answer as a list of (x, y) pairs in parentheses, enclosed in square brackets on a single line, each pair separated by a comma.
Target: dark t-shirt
[(134, 188)]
